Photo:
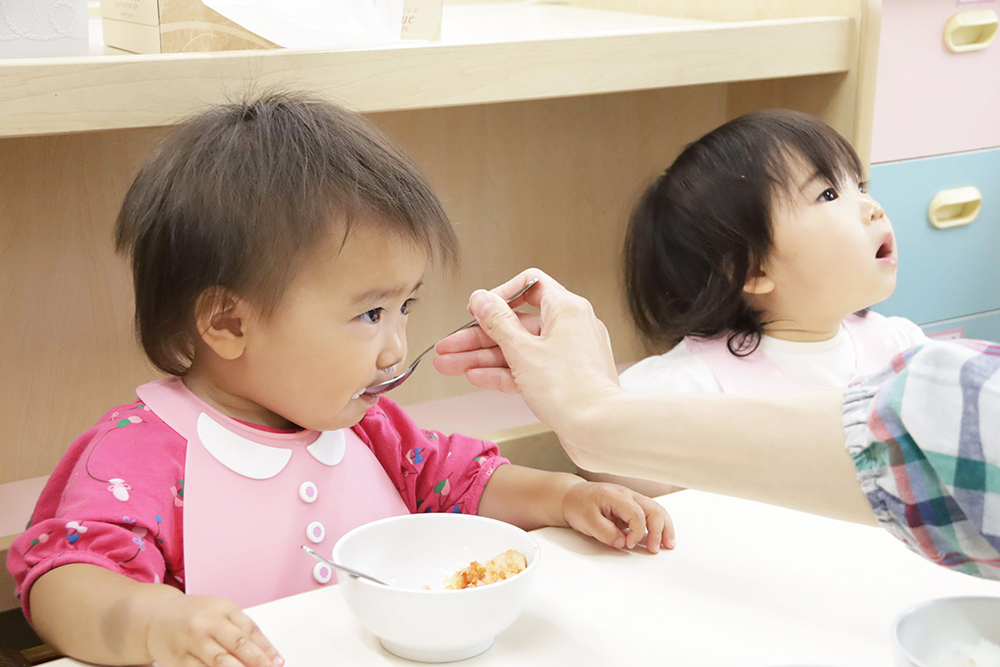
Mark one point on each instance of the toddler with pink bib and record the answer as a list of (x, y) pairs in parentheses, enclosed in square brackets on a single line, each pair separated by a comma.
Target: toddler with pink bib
[(754, 257), (277, 250)]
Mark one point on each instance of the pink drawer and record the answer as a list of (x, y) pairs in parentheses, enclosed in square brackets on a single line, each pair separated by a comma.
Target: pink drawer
[(929, 100)]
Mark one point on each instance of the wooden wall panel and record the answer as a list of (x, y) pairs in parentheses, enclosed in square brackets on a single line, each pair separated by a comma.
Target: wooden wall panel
[(545, 183), (66, 346)]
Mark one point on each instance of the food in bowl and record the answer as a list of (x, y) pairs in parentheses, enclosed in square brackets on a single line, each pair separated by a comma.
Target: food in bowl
[(413, 550), (962, 631), (496, 569), (982, 654)]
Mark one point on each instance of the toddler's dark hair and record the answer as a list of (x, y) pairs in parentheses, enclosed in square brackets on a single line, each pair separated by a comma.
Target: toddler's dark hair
[(235, 195), (699, 231)]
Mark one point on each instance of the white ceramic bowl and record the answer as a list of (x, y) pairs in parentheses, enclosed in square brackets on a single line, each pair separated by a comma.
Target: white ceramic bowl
[(409, 552), (924, 632)]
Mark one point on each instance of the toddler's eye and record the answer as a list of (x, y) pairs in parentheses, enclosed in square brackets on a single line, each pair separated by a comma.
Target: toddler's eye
[(407, 306), (828, 195), (372, 316), (863, 187)]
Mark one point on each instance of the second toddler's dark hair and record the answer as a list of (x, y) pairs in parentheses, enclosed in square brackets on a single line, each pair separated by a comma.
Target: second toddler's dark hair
[(234, 196), (699, 231)]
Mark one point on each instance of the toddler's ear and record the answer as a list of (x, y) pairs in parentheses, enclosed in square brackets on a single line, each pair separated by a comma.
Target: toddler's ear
[(758, 283), (220, 316)]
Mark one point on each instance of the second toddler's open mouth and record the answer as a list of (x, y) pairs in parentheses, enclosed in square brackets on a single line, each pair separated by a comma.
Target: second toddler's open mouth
[(885, 250)]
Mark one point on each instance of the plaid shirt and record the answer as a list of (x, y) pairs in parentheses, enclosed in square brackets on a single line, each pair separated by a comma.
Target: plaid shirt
[(925, 437)]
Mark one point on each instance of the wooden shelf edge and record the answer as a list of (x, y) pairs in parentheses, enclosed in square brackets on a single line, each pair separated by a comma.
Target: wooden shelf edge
[(533, 446), (115, 92)]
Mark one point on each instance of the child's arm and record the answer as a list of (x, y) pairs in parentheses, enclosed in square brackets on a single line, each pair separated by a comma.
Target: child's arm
[(534, 498), (435, 472), (93, 614)]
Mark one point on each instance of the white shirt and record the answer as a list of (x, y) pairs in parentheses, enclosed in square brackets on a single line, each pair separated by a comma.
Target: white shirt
[(828, 363)]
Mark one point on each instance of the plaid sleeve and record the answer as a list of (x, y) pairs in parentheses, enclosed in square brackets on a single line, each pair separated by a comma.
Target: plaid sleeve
[(924, 434)]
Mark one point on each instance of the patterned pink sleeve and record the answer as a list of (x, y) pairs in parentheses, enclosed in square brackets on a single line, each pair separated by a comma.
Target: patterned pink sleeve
[(433, 472), (113, 501)]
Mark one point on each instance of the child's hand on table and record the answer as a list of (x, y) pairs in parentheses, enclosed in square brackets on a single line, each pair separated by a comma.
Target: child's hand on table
[(197, 630), (606, 511)]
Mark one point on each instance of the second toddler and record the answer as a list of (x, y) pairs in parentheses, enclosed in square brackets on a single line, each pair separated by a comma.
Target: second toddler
[(754, 257)]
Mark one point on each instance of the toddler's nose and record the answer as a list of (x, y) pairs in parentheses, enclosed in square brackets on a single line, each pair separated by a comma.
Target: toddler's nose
[(394, 351), (874, 212)]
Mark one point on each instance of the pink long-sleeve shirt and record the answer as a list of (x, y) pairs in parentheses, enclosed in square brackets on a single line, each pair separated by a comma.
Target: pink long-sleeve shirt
[(77, 520)]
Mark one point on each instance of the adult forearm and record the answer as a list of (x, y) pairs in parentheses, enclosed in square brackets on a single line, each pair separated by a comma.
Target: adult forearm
[(96, 615), (783, 450)]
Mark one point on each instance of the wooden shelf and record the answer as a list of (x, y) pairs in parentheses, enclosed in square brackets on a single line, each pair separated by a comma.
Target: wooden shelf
[(546, 179), (489, 53), (17, 501)]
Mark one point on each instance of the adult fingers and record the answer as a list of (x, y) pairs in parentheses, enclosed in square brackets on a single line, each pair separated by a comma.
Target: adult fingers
[(497, 379), (464, 341), (497, 320), (475, 339), (546, 285), (460, 362)]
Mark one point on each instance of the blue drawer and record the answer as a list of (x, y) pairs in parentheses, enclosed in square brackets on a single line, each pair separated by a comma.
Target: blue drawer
[(943, 273), (984, 326)]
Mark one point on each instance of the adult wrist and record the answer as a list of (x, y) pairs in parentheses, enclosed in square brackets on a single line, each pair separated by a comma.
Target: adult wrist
[(591, 420)]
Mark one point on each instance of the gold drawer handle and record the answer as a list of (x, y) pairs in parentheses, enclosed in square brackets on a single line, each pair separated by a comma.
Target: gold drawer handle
[(971, 31), (955, 207)]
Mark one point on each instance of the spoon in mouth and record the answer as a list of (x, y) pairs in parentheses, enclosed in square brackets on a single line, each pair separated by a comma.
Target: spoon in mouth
[(383, 387), (348, 571)]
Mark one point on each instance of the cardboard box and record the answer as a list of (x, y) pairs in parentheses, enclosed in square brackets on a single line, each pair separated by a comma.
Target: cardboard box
[(422, 19), (173, 26)]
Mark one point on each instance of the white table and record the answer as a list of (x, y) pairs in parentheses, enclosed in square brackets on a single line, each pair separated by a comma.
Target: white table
[(748, 585)]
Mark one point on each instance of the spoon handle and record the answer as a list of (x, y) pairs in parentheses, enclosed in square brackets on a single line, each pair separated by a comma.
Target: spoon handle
[(346, 570), (468, 325), (392, 383), (473, 323)]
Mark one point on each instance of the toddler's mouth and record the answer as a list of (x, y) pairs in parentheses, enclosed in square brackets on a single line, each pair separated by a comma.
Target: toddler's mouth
[(885, 250)]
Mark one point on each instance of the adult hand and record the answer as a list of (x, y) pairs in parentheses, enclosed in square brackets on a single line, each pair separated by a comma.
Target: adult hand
[(559, 359)]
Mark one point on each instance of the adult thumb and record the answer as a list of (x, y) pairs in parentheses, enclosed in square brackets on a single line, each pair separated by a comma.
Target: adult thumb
[(495, 317)]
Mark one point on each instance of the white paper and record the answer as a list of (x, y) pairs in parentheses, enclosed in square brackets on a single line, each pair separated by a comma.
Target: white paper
[(316, 24), (38, 28)]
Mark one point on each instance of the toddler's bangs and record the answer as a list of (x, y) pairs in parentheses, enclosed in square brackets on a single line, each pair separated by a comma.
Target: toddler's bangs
[(235, 196), (820, 147)]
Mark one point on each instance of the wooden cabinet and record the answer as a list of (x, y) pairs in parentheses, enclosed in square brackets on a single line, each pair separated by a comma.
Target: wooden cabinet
[(930, 100), (935, 123), (537, 124), (944, 272)]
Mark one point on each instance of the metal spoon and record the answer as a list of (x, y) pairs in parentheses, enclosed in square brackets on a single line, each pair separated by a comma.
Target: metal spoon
[(346, 570), (383, 387)]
